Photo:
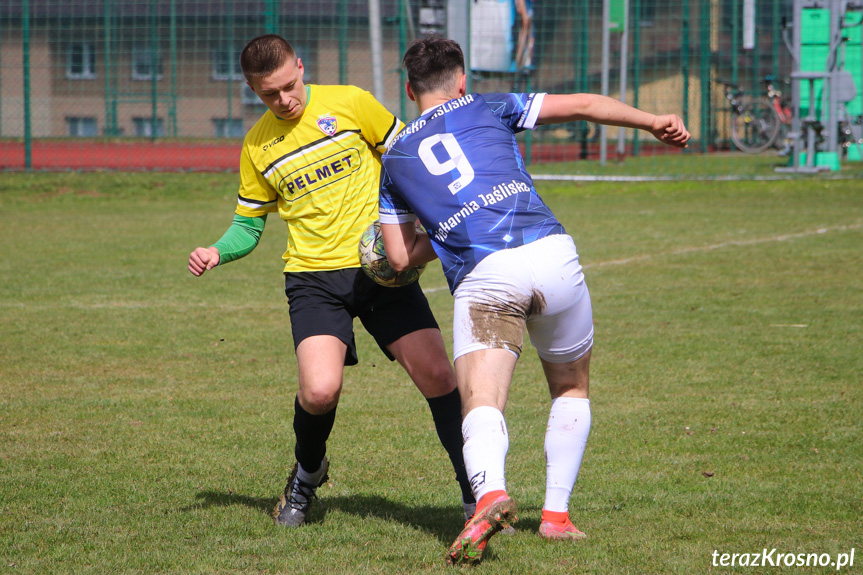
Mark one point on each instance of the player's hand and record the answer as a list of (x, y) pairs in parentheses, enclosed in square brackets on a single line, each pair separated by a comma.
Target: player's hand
[(669, 129), (203, 259)]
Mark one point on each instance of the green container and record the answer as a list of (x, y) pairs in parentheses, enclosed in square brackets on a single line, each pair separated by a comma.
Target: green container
[(815, 26), (828, 159), (854, 34), (812, 59), (854, 65)]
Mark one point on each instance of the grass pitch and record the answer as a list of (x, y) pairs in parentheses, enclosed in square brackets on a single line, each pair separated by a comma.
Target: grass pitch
[(145, 415)]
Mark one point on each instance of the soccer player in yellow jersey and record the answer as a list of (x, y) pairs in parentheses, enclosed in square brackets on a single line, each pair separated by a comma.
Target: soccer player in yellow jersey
[(314, 157)]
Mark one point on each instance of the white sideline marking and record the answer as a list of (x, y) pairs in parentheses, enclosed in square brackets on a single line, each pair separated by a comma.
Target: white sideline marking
[(138, 305), (719, 246), (754, 241), (682, 178)]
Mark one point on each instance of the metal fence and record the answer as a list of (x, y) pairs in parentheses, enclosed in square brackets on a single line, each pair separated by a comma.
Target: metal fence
[(155, 84)]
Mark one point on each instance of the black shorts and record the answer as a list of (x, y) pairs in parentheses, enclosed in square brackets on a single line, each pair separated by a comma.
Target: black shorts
[(325, 303)]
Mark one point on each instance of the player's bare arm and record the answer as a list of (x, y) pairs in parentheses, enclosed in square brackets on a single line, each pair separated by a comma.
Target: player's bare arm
[(559, 108), (203, 260), (669, 129), (405, 247)]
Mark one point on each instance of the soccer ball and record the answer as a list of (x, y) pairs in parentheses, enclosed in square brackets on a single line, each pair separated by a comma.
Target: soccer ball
[(374, 261)]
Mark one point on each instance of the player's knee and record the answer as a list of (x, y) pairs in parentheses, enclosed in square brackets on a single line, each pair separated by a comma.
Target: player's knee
[(319, 400), (443, 372), (438, 378)]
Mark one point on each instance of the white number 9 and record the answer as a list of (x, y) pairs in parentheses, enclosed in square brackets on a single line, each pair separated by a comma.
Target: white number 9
[(457, 160)]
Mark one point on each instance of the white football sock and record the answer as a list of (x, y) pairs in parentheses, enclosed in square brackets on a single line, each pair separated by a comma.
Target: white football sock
[(486, 442), (312, 478), (565, 440)]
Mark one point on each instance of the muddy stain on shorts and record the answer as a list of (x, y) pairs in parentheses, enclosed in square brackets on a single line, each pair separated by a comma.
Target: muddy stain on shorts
[(537, 304), (499, 322)]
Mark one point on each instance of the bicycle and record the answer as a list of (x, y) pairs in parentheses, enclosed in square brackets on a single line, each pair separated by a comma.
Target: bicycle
[(782, 106), (849, 129), (764, 121), (755, 122)]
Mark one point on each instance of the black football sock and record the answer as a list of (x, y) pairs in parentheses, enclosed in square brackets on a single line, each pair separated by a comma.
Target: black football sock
[(446, 412), (312, 432)]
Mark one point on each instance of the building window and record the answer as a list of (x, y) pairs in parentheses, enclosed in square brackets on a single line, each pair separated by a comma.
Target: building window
[(80, 127), (146, 128), (248, 96), (307, 57), (226, 64), (81, 61), (142, 63), (228, 128)]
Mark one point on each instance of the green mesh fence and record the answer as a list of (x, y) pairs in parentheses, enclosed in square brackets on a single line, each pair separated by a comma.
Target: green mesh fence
[(155, 84)]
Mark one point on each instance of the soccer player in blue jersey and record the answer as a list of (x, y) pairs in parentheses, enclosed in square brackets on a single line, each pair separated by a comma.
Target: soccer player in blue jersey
[(509, 263)]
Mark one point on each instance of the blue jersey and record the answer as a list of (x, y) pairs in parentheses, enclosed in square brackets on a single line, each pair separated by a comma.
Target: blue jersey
[(459, 169)]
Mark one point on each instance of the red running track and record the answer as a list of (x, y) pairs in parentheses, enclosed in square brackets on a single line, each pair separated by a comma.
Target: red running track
[(195, 156), (66, 155)]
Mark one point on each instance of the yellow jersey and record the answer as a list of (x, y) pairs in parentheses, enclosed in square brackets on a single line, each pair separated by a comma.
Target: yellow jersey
[(321, 172)]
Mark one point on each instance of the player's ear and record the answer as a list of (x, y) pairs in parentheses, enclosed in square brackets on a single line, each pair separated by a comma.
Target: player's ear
[(462, 85), (409, 91), (300, 66)]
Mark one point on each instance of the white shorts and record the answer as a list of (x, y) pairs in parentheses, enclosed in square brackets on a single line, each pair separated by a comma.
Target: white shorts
[(539, 285)]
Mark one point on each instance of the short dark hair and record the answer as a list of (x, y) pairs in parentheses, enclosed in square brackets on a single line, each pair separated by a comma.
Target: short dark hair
[(433, 63), (264, 55)]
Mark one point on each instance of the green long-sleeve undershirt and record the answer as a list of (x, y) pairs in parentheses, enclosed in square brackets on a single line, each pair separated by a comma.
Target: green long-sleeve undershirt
[(240, 238)]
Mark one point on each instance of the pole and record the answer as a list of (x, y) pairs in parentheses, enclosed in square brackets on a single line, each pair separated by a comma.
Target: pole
[(636, 72), (528, 137), (777, 39), (111, 64), (106, 48), (583, 64), (376, 42), (229, 16), (343, 41), (271, 17), (28, 135), (154, 77), (684, 61), (624, 52), (458, 28), (606, 48), (174, 68), (403, 21), (469, 82), (749, 42), (735, 47), (704, 68), (831, 82), (1, 87)]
